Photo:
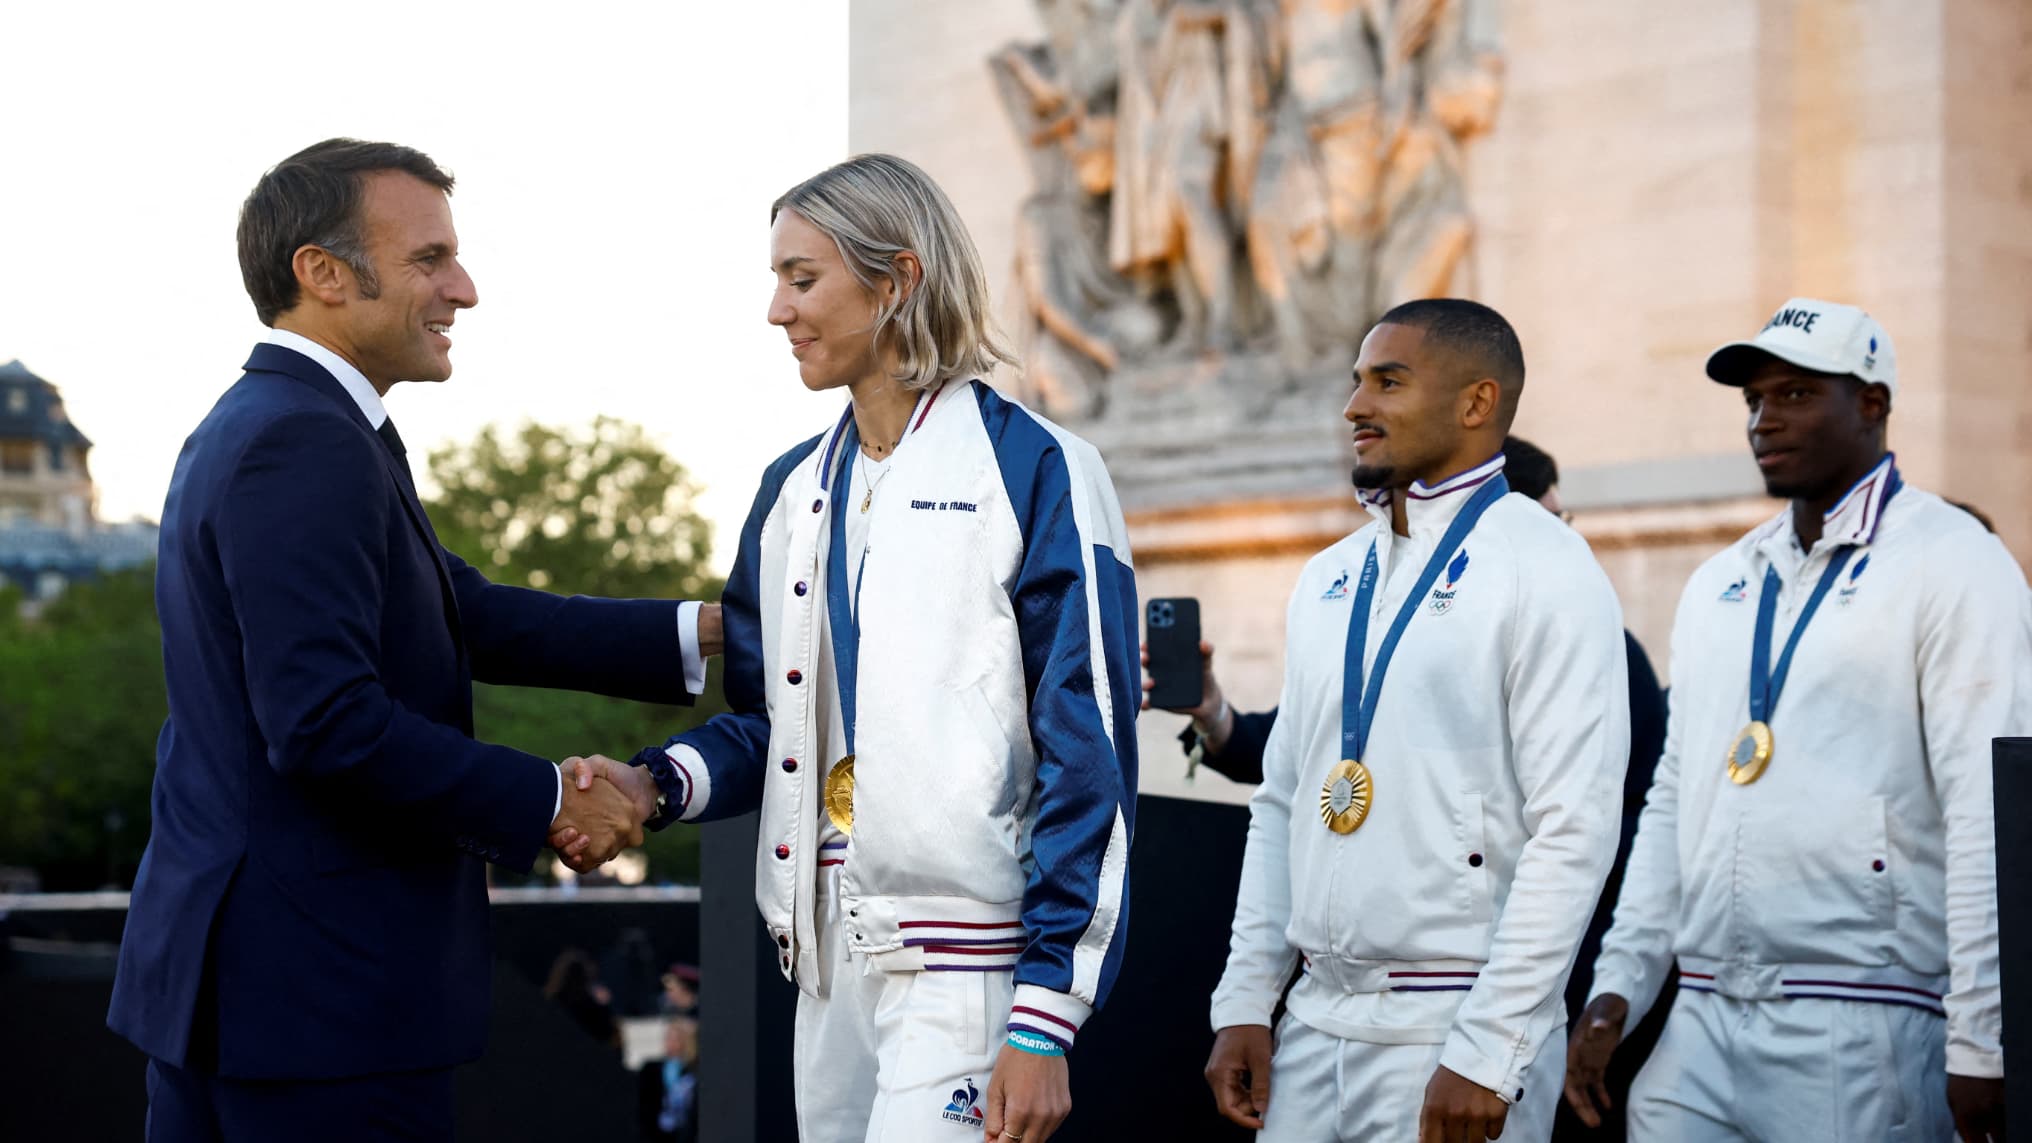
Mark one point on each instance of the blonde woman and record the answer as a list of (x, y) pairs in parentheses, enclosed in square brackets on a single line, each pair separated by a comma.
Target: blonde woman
[(931, 639)]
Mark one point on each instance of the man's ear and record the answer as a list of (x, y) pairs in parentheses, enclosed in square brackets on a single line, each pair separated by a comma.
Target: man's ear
[(1479, 402), (321, 275), (1874, 400)]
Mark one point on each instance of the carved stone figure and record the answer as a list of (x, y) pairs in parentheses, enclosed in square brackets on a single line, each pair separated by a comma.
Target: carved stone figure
[(1229, 191)]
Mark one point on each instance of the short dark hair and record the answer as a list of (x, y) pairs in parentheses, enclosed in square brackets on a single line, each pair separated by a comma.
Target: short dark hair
[(313, 198), (1478, 334), (1529, 469)]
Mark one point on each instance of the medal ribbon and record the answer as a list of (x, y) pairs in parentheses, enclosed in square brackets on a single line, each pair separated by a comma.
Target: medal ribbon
[(843, 612), (1766, 683), (1358, 703)]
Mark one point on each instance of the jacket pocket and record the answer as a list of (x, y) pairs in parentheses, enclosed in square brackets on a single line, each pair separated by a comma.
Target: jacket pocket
[(1478, 898)]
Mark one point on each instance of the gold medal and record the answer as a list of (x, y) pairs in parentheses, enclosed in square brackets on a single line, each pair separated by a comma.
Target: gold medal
[(1750, 754), (839, 795), (1344, 800)]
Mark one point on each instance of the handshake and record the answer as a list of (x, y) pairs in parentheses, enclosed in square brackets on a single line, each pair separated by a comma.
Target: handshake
[(604, 805)]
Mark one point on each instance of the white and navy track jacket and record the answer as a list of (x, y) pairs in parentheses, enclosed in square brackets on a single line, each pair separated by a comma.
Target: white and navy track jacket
[(1862, 864), (1497, 754), (998, 689)]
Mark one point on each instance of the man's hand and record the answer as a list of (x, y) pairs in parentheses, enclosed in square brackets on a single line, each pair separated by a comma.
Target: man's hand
[(712, 632), (1028, 1097), (1239, 1072), (1459, 1110), (1587, 1056), (1210, 716), (597, 820), (1978, 1107)]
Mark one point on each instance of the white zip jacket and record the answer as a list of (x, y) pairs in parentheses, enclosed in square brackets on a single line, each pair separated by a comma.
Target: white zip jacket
[(1497, 752), (1862, 864), (997, 695)]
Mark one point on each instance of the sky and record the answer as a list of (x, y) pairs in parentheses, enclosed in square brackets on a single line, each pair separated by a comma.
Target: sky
[(615, 165)]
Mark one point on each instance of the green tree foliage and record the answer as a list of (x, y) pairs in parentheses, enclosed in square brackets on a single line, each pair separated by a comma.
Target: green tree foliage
[(81, 701), (599, 510)]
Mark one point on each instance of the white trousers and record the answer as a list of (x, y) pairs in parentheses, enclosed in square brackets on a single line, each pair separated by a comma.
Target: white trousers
[(1793, 1071), (1324, 1089), (895, 1057)]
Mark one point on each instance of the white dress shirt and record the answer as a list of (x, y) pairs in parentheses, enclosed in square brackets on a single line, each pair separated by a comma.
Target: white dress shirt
[(371, 406)]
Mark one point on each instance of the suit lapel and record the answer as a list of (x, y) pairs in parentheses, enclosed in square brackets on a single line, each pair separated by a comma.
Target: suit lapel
[(276, 359)]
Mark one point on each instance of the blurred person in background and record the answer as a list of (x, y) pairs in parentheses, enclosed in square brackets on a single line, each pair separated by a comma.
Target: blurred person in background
[(575, 987), (668, 1087)]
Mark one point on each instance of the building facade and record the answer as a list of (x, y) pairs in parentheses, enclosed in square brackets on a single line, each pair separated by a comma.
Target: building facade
[(50, 534)]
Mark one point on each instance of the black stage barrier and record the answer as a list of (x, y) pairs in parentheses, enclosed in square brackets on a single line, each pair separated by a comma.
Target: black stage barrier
[(2011, 766), (1136, 1070), (64, 1076)]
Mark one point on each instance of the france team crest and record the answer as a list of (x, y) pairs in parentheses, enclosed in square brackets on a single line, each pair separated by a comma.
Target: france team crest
[(1737, 591), (1443, 595)]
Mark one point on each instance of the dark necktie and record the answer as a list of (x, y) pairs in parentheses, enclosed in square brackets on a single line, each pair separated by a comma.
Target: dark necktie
[(393, 440)]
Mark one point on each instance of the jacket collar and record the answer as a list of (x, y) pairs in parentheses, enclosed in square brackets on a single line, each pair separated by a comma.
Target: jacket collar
[(269, 357), (834, 448), (1431, 507), (349, 377), (1856, 517)]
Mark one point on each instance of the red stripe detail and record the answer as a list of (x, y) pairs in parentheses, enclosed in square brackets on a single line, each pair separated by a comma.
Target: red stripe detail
[(1042, 1015), (1871, 987), (971, 950), (1685, 975), (927, 410), (832, 861), (959, 924)]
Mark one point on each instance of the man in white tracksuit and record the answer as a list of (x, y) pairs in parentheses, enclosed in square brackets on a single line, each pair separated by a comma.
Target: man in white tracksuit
[(1431, 847), (1818, 846)]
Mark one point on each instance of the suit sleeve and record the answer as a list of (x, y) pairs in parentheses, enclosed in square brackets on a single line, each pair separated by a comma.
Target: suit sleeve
[(1637, 951), (302, 542), (1975, 656), (715, 771), (1074, 598), (1241, 756), (1260, 959), (1570, 743), (520, 637)]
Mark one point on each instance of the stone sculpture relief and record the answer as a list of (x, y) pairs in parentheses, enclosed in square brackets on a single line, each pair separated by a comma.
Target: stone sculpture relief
[(1227, 192)]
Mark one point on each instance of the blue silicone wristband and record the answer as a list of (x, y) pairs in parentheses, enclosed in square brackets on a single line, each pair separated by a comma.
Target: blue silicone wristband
[(1035, 1045)]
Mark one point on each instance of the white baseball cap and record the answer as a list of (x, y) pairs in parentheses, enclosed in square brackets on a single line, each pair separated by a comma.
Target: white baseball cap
[(1826, 337)]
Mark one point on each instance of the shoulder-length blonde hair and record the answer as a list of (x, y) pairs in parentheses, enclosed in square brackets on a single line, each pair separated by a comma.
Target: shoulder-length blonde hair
[(876, 206)]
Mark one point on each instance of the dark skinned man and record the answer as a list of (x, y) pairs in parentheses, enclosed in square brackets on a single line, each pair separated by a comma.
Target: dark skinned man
[(1818, 846), (1442, 783)]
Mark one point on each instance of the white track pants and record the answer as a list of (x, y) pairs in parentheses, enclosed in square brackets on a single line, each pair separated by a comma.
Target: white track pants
[(1793, 1071), (895, 1057), (1324, 1089)]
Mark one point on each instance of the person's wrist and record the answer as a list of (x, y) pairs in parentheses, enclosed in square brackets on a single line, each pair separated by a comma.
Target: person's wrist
[(1035, 1044)]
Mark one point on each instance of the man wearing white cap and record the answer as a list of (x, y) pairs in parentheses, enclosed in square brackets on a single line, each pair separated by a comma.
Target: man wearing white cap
[(1818, 846)]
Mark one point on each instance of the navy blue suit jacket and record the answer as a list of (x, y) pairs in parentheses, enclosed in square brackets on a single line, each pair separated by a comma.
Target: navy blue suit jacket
[(312, 902)]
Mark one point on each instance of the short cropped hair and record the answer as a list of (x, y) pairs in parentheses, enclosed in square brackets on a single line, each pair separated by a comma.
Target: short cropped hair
[(313, 198), (1477, 334), (876, 206), (1529, 469)]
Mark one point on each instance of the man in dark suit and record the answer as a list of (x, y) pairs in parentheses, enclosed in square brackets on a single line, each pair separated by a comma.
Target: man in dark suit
[(306, 953)]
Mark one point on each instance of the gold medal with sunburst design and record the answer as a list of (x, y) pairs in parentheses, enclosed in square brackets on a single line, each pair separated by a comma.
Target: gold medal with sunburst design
[(1344, 800), (1750, 754), (839, 795)]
